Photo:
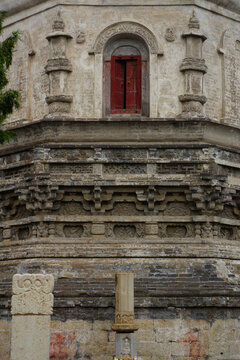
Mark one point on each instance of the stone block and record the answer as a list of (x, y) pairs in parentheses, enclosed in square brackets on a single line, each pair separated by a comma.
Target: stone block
[(168, 334), (145, 324), (6, 233), (55, 325), (5, 325), (145, 335), (98, 229), (151, 229), (5, 351), (102, 325), (112, 337), (4, 337)]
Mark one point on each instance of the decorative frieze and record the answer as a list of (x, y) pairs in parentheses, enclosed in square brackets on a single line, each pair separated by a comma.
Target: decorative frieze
[(193, 67), (37, 197), (211, 197)]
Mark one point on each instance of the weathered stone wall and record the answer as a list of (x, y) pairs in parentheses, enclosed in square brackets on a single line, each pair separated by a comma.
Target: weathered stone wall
[(5, 339), (83, 197), (167, 213), (164, 338), (85, 23)]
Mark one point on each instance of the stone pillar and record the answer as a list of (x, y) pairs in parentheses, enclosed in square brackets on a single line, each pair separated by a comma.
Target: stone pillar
[(58, 67), (32, 303), (193, 67), (125, 325)]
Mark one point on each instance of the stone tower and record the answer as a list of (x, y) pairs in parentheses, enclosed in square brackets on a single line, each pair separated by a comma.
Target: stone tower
[(126, 160)]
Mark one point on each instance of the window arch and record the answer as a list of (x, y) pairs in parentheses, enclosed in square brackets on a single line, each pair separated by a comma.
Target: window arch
[(104, 43), (126, 75)]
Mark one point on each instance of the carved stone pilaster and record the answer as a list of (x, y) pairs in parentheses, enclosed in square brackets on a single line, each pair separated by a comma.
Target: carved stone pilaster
[(193, 67), (58, 67), (124, 311), (124, 316)]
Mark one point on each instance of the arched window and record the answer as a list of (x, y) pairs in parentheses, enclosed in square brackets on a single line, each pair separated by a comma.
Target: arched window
[(126, 76)]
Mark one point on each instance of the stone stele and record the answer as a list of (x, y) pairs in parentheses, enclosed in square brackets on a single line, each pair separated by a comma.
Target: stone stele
[(32, 303)]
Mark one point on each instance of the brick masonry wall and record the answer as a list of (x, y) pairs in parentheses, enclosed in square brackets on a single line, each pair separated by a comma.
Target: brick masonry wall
[(161, 339)]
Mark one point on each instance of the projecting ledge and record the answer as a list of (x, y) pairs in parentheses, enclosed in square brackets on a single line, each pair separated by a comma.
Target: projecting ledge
[(126, 131)]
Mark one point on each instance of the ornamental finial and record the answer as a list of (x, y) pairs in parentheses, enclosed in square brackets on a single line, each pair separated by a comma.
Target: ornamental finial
[(194, 22), (58, 24)]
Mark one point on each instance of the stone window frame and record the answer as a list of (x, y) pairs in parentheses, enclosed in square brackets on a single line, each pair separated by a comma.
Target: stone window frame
[(125, 30), (125, 44)]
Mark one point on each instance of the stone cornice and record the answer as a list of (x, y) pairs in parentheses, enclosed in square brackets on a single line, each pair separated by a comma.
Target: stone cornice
[(123, 131), (190, 248), (20, 9), (13, 6)]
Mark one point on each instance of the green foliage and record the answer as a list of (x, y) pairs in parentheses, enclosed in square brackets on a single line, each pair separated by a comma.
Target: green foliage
[(8, 99)]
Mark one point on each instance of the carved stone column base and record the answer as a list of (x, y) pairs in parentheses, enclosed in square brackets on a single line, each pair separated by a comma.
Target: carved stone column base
[(125, 327), (59, 116), (126, 345), (59, 103), (192, 106)]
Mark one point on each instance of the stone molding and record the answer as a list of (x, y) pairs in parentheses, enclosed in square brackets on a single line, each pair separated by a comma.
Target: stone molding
[(13, 6), (80, 130), (193, 64), (58, 65), (189, 97), (124, 323), (32, 294), (126, 27), (60, 98)]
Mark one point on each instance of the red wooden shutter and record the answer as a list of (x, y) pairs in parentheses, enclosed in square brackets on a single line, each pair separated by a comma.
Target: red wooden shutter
[(133, 84), (125, 84), (117, 84)]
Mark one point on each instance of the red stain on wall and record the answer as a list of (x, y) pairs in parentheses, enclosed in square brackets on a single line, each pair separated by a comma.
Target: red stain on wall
[(197, 344), (60, 345)]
